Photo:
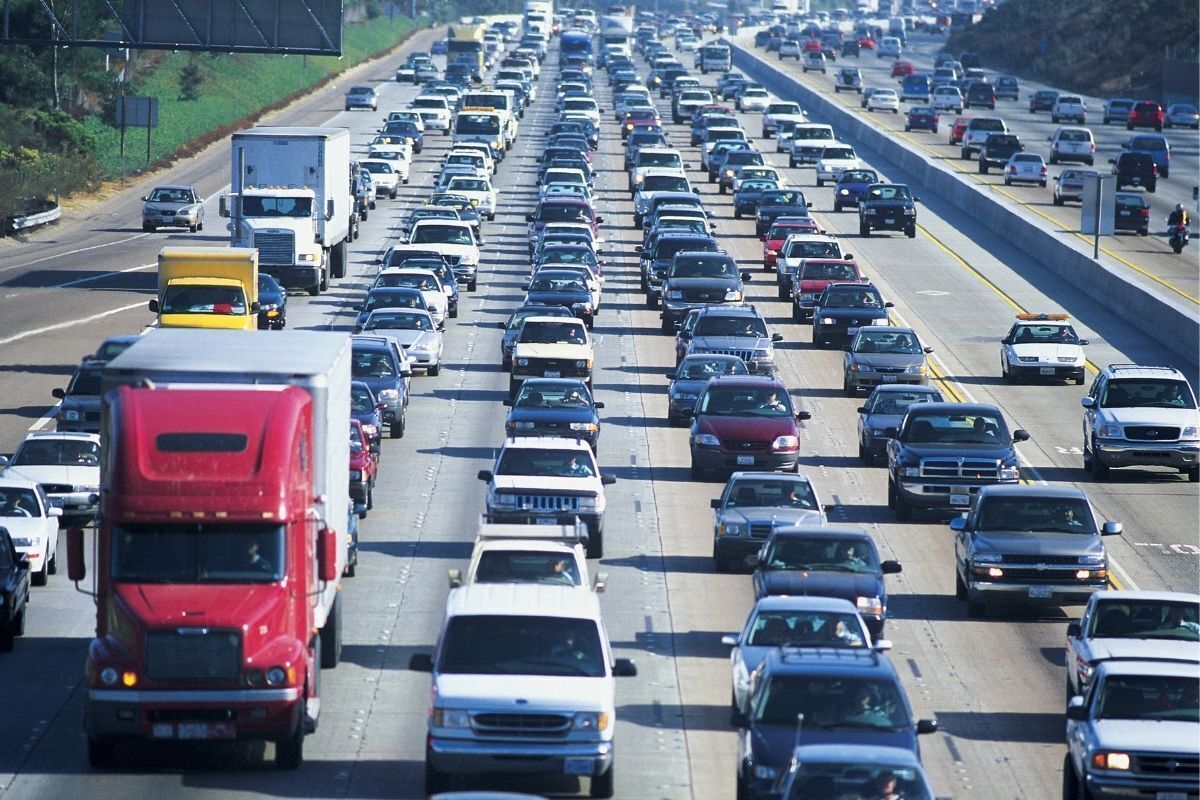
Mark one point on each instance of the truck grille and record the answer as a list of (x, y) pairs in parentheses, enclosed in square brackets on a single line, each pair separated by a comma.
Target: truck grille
[(968, 468), (564, 365), (504, 724), (889, 370), (1167, 765), (56, 488), (192, 654), (1033, 575), (704, 295), (744, 355), (739, 446), (276, 248), (1151, 433), (1036, 559), (547, 502)]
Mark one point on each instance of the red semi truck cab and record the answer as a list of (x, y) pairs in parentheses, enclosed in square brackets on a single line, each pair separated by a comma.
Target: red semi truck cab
[(209, 556)]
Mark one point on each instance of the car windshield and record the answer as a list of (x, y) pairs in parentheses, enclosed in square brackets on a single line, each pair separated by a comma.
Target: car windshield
[(366, 364), (549, 463), (467, 185), (521, 566), (1044, 334), (398, 321), (521, 645), (838, 153), (188, 554), (1128, 618), (568, 255), (442, 234), (553, 332), (819, 554), (897, 342), (829, 702), (258, 206), (699, 267), (819, 271), (819, 779), (1149, 697), (852, 297), (393, 299), (822, 628), (949, 428), (477, 124), (377, 167), (659, 160), (898, 402), (85, 382), (858, 176), (1147, 393), (424, 283), (665, 183), (770, 493), (817, 249), (203, 300), (783, 198), (169, 195), (563, 213), (714, 325), (745, 401), (61, 452), (1036, 515), (694, 368), (553, 395), (557, 283), (19, 502)]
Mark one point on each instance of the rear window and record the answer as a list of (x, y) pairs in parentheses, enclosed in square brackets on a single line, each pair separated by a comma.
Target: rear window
[(984, 124), (1148, 143)]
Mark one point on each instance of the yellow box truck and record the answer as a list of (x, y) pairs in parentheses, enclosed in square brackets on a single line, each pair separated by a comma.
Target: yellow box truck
[(207, 287)]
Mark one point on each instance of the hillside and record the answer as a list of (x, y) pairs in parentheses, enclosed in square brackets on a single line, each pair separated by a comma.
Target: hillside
[(1102, 47)]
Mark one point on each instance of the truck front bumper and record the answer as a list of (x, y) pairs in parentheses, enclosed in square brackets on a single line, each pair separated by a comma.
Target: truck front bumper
[(193, 714), (1065, 592), (1121, 453), (293, 276), (929, 494), (469, 757)]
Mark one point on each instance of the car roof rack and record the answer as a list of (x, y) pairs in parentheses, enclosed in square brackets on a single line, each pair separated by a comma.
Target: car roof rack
[(1118, 367)]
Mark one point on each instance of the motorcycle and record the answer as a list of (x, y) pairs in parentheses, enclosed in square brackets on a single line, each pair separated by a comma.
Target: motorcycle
[(1179, 235)]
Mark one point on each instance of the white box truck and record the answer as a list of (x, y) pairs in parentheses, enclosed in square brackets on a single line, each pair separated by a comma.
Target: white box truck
[(289, 197), (317, 362)]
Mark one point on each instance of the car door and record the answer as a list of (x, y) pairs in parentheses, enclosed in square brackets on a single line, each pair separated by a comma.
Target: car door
[(1089, 414)]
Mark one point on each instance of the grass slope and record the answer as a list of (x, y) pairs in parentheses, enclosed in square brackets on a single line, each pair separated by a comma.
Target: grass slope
[(1105, 47), (232, 87)]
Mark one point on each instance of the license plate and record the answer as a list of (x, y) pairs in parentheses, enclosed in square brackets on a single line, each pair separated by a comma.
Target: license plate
[(745, 461), (960, 499), (1046, 370), (553, 373), (889, 378), (579, 766), (1039, 592), (201, 730), (546, 521)]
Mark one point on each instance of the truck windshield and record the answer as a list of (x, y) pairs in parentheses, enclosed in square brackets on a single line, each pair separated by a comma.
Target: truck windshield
[(477, 123), (203, 300), (1129, 618), (520, 566), (254, 206), (521, 645), (231, 553), (1149, 697)]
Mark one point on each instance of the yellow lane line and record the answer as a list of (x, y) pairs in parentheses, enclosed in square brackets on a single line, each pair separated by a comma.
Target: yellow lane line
[(979, 181)]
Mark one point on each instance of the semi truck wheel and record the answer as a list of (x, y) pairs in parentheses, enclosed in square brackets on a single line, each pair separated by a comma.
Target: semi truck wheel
[(331, 637), (337, 260)]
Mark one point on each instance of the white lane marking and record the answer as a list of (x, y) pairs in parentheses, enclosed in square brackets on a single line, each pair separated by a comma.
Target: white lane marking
[(72, 252), (62, 325), (104, 275)]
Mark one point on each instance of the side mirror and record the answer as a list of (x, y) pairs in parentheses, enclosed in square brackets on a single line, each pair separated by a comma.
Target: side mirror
[(599, 220), (598, 405), (484, 475), (926, 726), (507, 403), (1083, 342), (1074, 629), (1112, 161), (730, 640), (501, 325), (959, 523), (607, 480), (747, 276), (145, 198), (714, 503), (1076, 710), (696, 190), (76, 571), (891, 568), (1087, 402), (255, 307), (1111, 528), (529, 217), (861, 410), (327, 543), (889, 305), (421, 662), (670, 375), (624, 668), (1020, 435), (777, 337), (916, 199), (927, 349), (801, 416), (223, 206), (58, 393), (153, 304), (881, 645), (455, 577), (54, 511)]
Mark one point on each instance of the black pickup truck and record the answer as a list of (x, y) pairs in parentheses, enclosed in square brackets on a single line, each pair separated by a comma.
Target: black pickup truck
[(14, 591), (997, 149)]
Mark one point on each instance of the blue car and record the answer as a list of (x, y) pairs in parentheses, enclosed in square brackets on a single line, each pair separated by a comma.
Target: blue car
[(1154, 145), (439, 48), (747, 195), (847, 696), (554, 407), (851, 187)]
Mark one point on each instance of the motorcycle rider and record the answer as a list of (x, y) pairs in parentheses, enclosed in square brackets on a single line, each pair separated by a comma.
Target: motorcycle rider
[(1178, 217)]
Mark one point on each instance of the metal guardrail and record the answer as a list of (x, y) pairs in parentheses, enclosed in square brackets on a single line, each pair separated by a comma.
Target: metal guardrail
[(47, 213)]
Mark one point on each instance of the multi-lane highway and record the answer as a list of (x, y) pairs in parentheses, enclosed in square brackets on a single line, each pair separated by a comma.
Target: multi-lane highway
[(995, 685)]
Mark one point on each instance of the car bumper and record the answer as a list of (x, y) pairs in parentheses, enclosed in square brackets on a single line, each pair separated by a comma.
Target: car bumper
[(76, 505), (467, 757), (1058, 371), (1050, 593), (1110, 787), (1126, 453), (173, 220), (930, 494), (838, 333), (424, 360), (880, 222), (730, 461), (868, 380), (270, 714)]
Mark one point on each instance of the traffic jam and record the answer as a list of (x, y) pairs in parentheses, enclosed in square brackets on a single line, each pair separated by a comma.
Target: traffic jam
[(649, 167)]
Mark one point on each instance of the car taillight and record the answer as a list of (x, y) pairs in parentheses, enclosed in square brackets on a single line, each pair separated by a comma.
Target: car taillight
[(1043, 170), (1145, 212)]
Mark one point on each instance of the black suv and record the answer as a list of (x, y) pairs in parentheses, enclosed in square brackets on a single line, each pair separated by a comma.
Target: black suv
[(1135, 169), (699, 279), (997, 149), (660, 252), (889, 207), (980, 94), (80, 406)]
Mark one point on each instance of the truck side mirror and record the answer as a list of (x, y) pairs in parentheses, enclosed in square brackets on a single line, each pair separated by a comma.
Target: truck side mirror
[(58, 393), (455, 576), (1087, 402), (891, 568), (1020, 435), (327, 542), (607, 480), (958, 524), (1076, 710), (801, 416), (223, 205), (926, 726), (1074, 629), (1111, 528), (76, 571), (255, 307), (624, 668), (153, 304), (484, 475)]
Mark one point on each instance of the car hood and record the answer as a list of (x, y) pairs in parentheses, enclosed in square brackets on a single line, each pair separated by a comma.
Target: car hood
[(58, 473), (774, 515), (552, 298), (1105, 649), (773, 744), (404, 338), (846, 585), (1146, 736), (738, 428), (1038, 544), (1047, 352), (524, 692), (1000, 452), (892, 360), (531, 350), (23, 527), (860, 316), (541, 483), (1166, 417)]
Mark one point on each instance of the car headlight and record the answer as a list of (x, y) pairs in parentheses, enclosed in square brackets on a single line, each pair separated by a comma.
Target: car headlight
[(872, 606), (706, 440), (389, 395), (307, 257), (860, 368), (522, 362), (504, 501), (772, 252), (844, 192), (1092, 561), (1189, 432), (728, 173), (910, 211), (785, 443), (764, 773), (451, 718), (71, 416), (807, 295), (685, 396), (763, 355), (523, 426), (370, 430), (1012, 473), (916, 369), (589, 503), (733, 296), (591, 721), (912, 472), (731, 529), (828, 321), (1115, 761)]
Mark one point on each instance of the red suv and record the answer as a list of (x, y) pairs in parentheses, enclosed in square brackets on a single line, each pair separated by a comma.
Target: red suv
[(1145, 114), (744, 422)]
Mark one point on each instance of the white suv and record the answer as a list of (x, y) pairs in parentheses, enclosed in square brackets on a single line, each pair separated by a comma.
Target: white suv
[(522, 683), (539, 554)]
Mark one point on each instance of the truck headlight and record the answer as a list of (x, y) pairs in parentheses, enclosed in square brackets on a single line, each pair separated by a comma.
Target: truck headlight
[(733, 296), (584, 426), (706, 440), (70, 416), (583, 363), (872, 606), (674, 294), (806, 295), (310, 258), (730, 529), (451, 718), (1012, 473), (588, 503), (912, 472), (504, 501), (828, 321), (1117, 761), (1189, 432), (591, 721), (522, 362), (109, 676)]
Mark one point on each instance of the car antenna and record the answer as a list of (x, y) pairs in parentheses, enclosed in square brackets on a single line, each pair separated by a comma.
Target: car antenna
[(799, 729)]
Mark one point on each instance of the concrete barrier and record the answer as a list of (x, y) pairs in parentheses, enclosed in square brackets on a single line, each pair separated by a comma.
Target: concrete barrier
[(1172, 324)]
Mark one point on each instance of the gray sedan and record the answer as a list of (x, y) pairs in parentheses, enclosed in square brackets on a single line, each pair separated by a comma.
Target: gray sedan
[(884, 409), (882, 354)]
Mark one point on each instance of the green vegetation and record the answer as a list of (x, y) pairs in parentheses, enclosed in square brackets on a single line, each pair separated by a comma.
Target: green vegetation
[(1102, 47), (43, 153), (227, 89)]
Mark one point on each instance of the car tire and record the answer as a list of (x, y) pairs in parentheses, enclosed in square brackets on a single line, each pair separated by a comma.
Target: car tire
[(904, 511), (1193, 474), (396, 429), (960, 587), (1098, 468), (864, 229), (435, 781), (471, 285), (434, 370), (147, 227), (820, 182), (837, 208), (1057, 200), (1150, 187), (847, 388), (891, 493), (983, 167), (911, 232), (719, 564), (40, 578)]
